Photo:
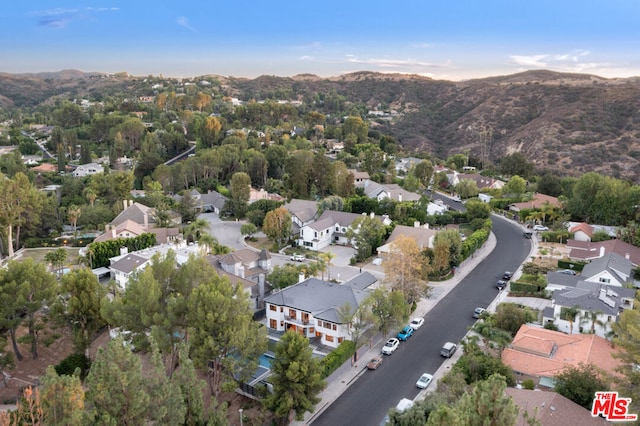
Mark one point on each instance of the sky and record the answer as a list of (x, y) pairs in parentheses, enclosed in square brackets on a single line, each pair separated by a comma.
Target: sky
[(446, 40)]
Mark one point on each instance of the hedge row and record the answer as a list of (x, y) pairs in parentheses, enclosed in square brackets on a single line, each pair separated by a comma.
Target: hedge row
[(337, 357), (567, 264), (520, 287)]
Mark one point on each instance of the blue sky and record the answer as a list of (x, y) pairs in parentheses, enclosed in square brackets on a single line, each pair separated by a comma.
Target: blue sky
[(451, 40)]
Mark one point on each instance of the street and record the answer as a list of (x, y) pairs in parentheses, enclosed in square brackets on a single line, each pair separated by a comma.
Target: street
[(368, 399)]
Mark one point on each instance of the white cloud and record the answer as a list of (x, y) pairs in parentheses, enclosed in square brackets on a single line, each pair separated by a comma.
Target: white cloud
[(393, 63), (530, 61), (184, 22), (572, 62), (305, 58), (60, 18)]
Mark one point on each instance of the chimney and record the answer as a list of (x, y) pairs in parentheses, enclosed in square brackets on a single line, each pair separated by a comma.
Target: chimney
[(146, 220), (301, 277), (124, 250), (602, 251), (400, 198), (627, 256), (113, 232)]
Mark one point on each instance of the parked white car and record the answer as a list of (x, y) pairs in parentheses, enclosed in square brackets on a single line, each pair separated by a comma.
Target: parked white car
[(416, 323), (298, 257), (424, 381), (540, 228), (391, 346)]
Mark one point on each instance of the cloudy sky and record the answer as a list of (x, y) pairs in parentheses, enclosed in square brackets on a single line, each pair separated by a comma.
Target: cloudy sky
[(451, 40)]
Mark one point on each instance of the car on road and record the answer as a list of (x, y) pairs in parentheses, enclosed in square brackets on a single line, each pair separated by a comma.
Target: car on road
[(540, 228), (501, 284), (448, 349), (377, 261), (527, 234), (457, 199), (391, 346), (507, 275), (416, 323), (298, 257), (424, 381), (477, 313), (567, 272), (375, 363), (405, 333)]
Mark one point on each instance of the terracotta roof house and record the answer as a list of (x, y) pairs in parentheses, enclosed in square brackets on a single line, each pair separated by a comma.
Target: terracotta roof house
[(137, 213), (126, 229), (261, 194), (312, 307), (582, 231), (45, 168), (585, 250), (537, 202), (550, 409), (423, 236), (541, 354), (604, 302)]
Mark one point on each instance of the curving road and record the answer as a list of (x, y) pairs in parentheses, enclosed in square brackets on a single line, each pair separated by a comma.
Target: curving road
[(368, 399)]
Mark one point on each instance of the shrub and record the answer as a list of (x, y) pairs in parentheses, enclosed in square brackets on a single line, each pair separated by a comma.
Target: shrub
[(68, 365), (528, 384), (337, 357)]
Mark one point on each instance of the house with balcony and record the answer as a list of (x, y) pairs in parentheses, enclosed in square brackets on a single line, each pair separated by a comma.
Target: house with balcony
[(313, 308)]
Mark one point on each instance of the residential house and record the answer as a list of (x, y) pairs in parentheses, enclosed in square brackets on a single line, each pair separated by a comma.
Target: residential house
[(482, 182), (537, 202), (404, 165), (211, 201), (540, 354), (610, 269), (550, 409), (485, 198), (597, 305), (582, 231), (330, 228), (359, 178), (589, 251), (124, 266), (247, 269), (437, 207), (261, 194), (88, 169), (302, 212), (422, 235), (313, 307), (391, 191)]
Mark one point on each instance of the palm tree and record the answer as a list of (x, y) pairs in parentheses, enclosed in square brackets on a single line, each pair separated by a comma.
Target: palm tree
[(73, 213), (589, 317), (328, 257), (569, 314), (194, 230), (91, 195)]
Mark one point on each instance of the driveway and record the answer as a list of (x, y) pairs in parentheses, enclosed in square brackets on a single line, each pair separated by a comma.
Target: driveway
[(227, 232)]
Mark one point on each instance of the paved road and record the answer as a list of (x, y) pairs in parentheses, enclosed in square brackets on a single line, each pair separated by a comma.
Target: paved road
[(368, 399)]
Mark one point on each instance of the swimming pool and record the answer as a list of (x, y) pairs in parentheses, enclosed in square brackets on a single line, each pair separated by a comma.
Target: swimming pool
[(265, 360)]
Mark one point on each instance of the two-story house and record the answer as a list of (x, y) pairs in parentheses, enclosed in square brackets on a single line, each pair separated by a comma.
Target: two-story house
[(314, 308), (330, 228), (303, 212), (88, 169), (388, 191)]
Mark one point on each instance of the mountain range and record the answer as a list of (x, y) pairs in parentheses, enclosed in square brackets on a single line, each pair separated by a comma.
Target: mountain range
[(567, 123)]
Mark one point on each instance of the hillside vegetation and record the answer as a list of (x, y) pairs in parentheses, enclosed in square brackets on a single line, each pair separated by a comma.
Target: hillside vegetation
[(569, 123)]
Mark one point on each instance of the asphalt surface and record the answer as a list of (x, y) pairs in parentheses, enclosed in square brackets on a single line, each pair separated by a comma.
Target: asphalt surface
[(369, 396)]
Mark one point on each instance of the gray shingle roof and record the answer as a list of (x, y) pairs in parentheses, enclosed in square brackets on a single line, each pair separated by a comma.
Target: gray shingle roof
[(611, 262), (594, 297), (320, 298), (304, 210), (128, 263), (565, 280)]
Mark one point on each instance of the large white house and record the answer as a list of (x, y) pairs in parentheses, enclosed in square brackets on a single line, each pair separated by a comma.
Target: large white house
[(88, 169), (313, 307), (331, 227)]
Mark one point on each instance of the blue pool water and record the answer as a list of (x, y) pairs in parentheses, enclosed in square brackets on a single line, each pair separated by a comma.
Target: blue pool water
[(265, 360)]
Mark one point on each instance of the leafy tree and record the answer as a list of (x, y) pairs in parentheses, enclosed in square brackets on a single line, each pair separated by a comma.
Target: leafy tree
[(424, 172), (296, 378), (487, 403), (20, 203), (167, 405), (284, 276), (467, 188), (477, 210), (403, 268), (196, 229), (389, 309), (240, 192), (63, 399), (516, 164), (29, 287), (510, 317), (277, 226), (248, 229), (116, 390), (191, 387), (367, 234), (56, 259), (515, 187), (341, 180), (222, 331), (6, 360), (478, 365), (449, 238), (580, 384), (79, 306), (627, 337), (333, 202)]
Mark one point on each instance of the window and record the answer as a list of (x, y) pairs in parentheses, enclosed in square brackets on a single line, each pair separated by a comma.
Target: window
[(605, 280), (273, 308), (292, 313), (337, 228), (315, 234), (329, 338), (340, 339), (273, 323), (335, 327), (344, 229)]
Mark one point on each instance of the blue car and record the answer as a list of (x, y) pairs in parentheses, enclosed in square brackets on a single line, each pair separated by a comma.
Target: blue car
[(405, 333)]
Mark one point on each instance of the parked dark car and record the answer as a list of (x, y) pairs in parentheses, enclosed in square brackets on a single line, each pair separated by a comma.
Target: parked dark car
[(507, 275), (501, 284), (527, 234)]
